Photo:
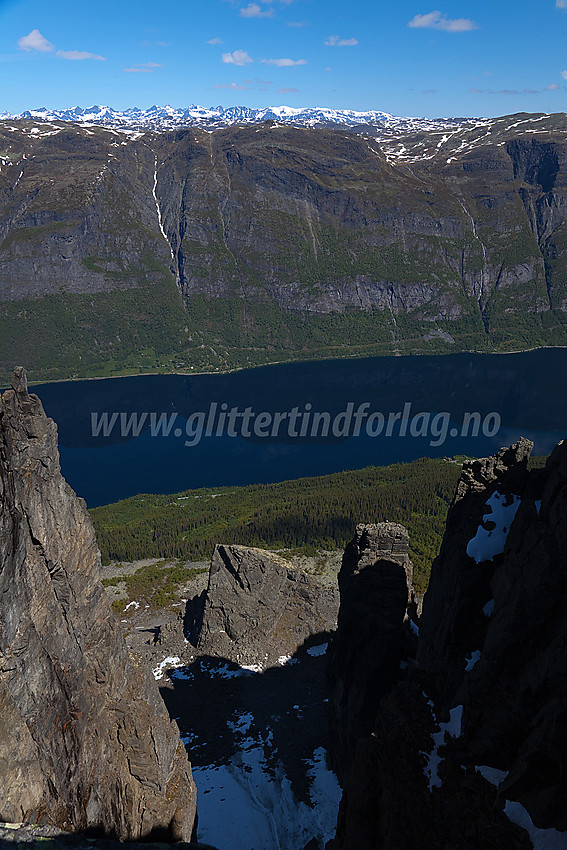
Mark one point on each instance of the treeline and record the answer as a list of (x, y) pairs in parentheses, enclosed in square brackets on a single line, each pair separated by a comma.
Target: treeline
[(304, 515)]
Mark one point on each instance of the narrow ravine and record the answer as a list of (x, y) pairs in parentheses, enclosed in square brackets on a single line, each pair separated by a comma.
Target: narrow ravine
[(477, 237)]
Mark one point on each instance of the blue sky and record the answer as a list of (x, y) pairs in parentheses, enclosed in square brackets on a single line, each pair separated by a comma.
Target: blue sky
[(413, 57)]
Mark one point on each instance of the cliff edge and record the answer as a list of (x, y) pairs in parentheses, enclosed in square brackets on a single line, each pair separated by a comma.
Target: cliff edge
[(85, 740)]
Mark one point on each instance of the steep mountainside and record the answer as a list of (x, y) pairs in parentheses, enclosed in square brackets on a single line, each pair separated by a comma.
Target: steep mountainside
[(123, 249), (85, 739), (468, 749)]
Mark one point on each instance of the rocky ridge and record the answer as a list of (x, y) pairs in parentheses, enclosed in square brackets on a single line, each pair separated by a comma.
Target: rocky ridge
[(467, 748), (85, 740), (404, 138)]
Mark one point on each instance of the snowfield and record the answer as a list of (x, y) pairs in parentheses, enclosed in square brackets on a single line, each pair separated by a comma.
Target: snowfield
[(487, 543)]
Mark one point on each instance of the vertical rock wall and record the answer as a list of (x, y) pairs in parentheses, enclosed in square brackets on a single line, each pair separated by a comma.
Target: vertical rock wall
[(364, 656), (85, 739)]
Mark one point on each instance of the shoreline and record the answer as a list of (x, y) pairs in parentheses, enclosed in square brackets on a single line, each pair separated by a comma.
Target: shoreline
[(235, 369)]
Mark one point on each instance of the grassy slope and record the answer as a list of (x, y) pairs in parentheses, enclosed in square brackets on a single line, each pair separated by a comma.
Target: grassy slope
[(101, 334), (123, 332)]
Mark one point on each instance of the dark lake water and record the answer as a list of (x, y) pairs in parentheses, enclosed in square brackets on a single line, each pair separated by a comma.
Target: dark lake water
[(165, 433)]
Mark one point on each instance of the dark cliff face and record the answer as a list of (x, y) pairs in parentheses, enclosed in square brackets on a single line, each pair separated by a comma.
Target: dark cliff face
[(85, 740), (281, 239), (363, 659), (472, 743), (515, 694), (453, 624)]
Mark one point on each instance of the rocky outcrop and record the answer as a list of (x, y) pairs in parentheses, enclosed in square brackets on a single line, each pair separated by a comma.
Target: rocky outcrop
[(375, 583), (469, 751), (85, 739), (257, 609)]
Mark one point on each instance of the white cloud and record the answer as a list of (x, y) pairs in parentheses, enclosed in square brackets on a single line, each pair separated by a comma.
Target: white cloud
[(561, 4), (288, 91), (79, 54), (335, 41), (564, 74), (237, 57), (254, 11), (143, 68), (437, 21), (296, 24), (215, 41), (35, 41), (285, 63), (552, 87), (231, 86)]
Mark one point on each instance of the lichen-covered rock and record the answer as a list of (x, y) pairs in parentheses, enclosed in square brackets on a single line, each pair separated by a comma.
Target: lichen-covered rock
[(256, 608), (85, 739), (15, 836)]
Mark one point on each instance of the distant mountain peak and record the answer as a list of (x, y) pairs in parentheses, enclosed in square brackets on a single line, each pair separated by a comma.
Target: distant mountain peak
[(400, 139), (167, 117)]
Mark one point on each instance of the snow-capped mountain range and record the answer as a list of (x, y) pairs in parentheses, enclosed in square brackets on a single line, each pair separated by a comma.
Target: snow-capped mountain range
[(168, 117), (400, 139)]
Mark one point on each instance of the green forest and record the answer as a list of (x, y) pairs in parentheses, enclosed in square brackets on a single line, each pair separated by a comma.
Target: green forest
[(302, 516)]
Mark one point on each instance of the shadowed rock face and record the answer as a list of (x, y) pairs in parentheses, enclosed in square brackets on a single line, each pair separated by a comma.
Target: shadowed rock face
[(491, 650), (85, 740), (256, 608), (365, 654), (453, 623)]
